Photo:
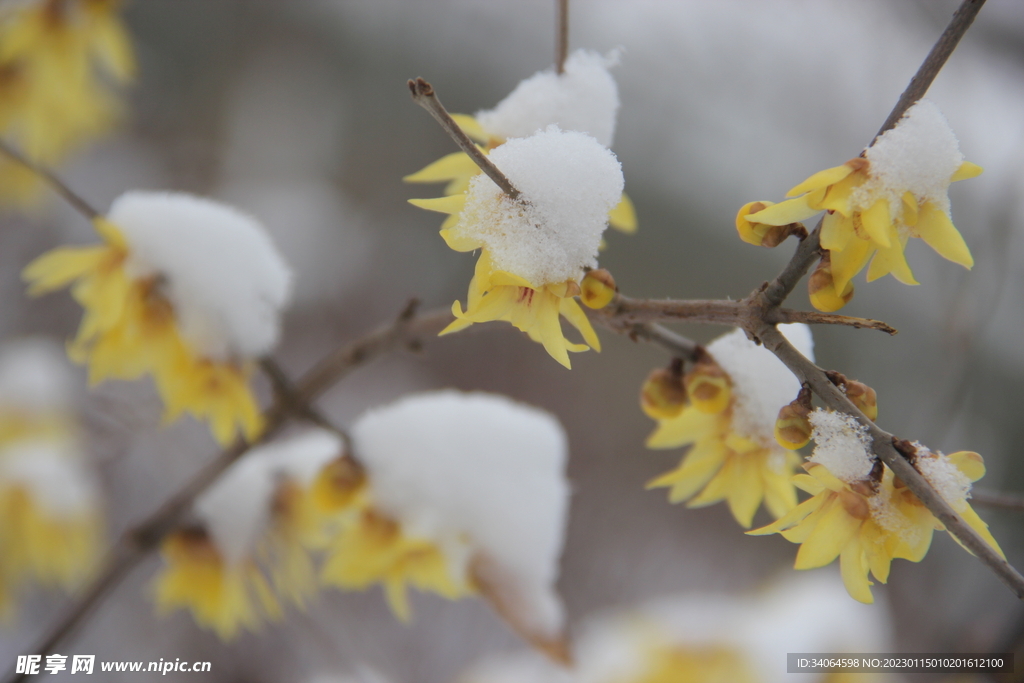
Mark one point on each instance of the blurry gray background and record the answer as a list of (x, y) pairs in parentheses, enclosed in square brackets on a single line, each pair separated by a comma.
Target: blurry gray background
[(297, 111)]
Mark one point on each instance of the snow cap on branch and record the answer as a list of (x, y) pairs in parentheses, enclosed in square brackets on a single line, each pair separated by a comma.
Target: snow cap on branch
[(842, 445), (584, 98), (569, 183), (479, 468), (216, 265), (761, 384)]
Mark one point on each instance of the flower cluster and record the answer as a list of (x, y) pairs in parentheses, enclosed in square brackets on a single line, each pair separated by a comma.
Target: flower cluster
[(50, 519), (726, 412), (874, 204), (55, 56), (182, 288), (451, 493), (863, 514)]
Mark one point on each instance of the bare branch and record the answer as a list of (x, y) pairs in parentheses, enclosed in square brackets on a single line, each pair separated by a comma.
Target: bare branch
[(423, 95), (83, 207), (562, 40), (786, 315), (933, 63), (997, 499)]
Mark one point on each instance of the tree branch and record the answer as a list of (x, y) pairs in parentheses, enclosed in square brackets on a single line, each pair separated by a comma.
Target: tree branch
[(562, 39), (997, 499), (83, 207), (423, 95)]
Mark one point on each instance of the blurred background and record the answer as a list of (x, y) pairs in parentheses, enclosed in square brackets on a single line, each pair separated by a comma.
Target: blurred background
[(298, 112)]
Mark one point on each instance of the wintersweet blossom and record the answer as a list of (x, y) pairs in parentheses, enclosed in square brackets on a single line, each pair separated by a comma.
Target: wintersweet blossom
[(583, 98), (896, 189), (57, 59), (864, 515), (535, 249), (735, 394), (250, 551), (183, 288), (50, 516), (455, 484)]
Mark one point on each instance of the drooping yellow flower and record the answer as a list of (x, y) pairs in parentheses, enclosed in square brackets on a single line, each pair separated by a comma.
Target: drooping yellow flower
[(867, 523), (729, 425), (897, 189), (371, 548), (57, 60), (130, 326), (221, 596), (534, 249)]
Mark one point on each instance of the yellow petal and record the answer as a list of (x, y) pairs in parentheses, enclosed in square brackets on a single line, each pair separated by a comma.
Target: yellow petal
[(877, 222), (696, 469), (578, 319), (892, 260), (966, 170), (716, 490), (910, 209), (458, 242), (834, 530), (504, 278), (854, 568), (829, 176), (451, 204), (623, 216), (791, 518), (806, 482), (779, 493), (471, 127), (746, 489), (550, 327), (59, 267), (970, 463), (449, 167), (940, 234), (975, 522), (784, 213), (850, 261), (836, 231), (686, 428)]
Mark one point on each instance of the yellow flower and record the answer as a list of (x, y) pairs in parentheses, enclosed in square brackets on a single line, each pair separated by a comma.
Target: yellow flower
[(876, 202), (457, 169), (56, 60), (131, 328), (223, 597), (372, 548), (866, 524), (692, 664)]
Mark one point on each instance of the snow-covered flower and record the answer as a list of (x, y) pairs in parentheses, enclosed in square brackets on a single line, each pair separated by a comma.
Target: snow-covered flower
[(465, 493), (583, 98), (735, 395), (864, 515), (50, 517), (534, 249), (57, 58), (257, 524), (896, 189), (183, 288)]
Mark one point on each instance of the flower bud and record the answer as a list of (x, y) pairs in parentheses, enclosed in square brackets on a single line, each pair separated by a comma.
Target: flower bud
[(822, 288), (708, 386), (598, 288), (792, 428), (762, 234), (864, 397), (663, 395), (337, 484)]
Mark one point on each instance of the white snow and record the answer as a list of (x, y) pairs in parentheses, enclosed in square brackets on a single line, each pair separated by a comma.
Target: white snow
[(569, 183), (457, 467), (952, 484), (841, 444), (53, 473), (236, 508), (34, 376), (584, 98), (225, 279), (761, 384), (920, 155)]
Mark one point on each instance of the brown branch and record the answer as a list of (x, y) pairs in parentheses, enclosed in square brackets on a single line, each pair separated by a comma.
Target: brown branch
[(285, 394), (786, 315), (882, 446), (137, 542), (773, 293), (997, 499), (83, 207), (562, 39), (933, 63), (423, 95)]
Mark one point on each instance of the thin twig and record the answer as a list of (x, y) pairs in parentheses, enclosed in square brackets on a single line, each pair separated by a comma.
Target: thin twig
[(773, 293), (286, 395), (882, 446), (933, 63), (136, 543), (83, 207), (562, 40), (423, 95), (786, 315), (996, 499)]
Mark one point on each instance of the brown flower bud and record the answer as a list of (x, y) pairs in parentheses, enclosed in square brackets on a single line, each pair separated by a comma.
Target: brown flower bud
[(663, 395), (822, 288), (708, 386)]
